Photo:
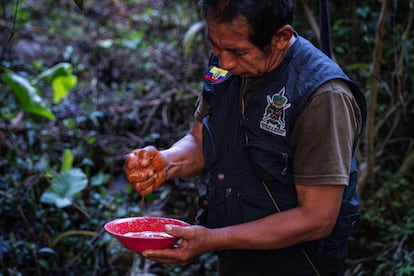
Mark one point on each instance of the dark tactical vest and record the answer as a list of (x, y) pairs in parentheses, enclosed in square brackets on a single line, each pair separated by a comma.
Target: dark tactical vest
[(248, 155)]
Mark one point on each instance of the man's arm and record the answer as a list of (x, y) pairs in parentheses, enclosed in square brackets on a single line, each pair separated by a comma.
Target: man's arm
[(185, 157), (147, 168), (314, 218)]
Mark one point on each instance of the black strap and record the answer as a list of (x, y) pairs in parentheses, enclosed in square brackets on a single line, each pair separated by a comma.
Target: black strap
[(325, 28)]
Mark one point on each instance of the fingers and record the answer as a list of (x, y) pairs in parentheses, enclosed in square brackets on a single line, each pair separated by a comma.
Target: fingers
[(168, 256), (177, 230), (157, 160), (139, 175), (190, 248), (144, 187), (140, 158), (144, 169), (131, 160), (146, 155)]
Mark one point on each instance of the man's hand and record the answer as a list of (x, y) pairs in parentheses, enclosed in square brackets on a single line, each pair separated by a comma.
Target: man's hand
[(145, 169), (194, 242)]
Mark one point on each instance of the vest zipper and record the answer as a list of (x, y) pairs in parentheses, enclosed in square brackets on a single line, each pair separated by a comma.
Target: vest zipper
[(242, 95), (317, 273), (243, 104)]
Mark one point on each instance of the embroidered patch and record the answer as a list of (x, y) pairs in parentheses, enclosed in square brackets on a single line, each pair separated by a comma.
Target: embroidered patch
[(273, 119), (215, 74)]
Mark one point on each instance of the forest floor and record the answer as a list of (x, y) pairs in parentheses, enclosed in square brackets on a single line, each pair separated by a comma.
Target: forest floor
[(135, 87)]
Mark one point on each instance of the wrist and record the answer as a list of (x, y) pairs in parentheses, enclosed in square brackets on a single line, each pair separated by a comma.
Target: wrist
[(166, 169)]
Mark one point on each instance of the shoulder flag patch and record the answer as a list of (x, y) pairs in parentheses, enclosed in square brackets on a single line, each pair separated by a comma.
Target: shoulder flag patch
[(215, 74)]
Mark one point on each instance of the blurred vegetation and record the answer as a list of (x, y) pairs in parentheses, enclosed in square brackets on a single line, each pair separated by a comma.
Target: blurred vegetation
[(80, 88)]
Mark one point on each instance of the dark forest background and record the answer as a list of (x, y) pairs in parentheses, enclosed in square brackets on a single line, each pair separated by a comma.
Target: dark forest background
[(84, 82)]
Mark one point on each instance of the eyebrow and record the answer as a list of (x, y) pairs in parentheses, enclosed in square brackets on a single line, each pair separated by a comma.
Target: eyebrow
[(228, 49)]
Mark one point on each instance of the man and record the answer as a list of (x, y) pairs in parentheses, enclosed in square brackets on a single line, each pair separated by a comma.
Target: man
[(275, 131)]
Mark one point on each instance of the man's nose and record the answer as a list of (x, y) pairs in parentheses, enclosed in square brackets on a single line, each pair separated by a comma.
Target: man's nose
[(227, 61)]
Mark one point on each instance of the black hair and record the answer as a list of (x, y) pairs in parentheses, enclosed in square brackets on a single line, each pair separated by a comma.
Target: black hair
[(265, 17)]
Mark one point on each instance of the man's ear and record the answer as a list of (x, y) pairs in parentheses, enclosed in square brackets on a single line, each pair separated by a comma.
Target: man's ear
[(282, 37)]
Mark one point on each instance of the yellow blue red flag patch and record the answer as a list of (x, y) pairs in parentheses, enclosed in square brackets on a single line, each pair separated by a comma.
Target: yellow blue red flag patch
[(215, 74)]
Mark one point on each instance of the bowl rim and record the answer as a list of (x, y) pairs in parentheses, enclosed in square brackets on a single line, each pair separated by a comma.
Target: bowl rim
[(126, 219)]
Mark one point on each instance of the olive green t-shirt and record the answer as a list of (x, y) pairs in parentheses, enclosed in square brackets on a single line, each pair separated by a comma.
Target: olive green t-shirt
[(323, 136)]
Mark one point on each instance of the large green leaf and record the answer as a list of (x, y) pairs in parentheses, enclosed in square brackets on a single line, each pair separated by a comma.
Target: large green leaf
[(28, 96), (61, 86), (65, 186), (60, 69), (61, 78)]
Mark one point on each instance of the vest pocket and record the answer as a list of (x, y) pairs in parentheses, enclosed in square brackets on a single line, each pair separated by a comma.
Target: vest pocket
[(270, 165)]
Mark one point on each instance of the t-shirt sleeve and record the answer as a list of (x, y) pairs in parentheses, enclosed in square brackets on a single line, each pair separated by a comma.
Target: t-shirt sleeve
[(323, 137), (201, 108)]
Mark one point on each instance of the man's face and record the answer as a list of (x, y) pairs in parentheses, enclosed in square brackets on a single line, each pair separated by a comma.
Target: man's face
[(236, 53)]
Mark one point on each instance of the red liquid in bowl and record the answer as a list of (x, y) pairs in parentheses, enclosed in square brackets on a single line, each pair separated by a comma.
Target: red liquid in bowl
[(143, 233), (149, 234)]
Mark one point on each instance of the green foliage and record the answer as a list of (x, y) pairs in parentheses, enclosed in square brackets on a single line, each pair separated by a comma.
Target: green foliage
[(29, 96), (79, 3), (65, 186), (388, 218), (64, 176), (130, 41), (100, 179), (190, 37), (67, 161), (28, 91), (61, 78)]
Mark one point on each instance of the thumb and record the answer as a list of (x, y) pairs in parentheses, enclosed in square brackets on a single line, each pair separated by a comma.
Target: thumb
[(175, 230)]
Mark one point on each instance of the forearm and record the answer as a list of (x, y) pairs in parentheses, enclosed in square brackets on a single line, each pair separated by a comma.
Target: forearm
[(313, 219), (273, 232), (185, 157)]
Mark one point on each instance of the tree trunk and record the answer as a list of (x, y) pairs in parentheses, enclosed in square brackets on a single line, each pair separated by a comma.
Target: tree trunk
[(371, 134)]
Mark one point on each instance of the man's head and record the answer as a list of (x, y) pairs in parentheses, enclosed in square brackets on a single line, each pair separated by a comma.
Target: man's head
[(264, 17), (250, 37)]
